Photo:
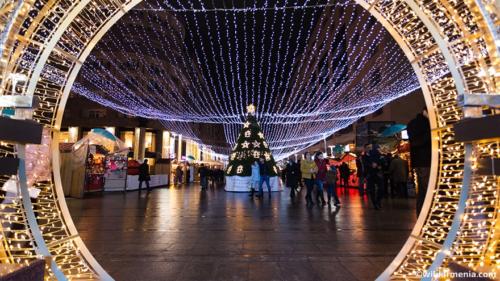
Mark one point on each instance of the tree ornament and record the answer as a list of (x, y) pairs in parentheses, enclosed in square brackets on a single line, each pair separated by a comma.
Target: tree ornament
[(248, 134), (246, 125), (265, 144), (267, 155), (256, 144), (229, 169), (256, 154), (239, 170), (261, 135), (245, 144), (233, 156)]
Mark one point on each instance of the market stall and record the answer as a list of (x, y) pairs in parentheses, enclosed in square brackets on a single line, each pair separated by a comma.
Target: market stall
[(96, 163), (116, 172)]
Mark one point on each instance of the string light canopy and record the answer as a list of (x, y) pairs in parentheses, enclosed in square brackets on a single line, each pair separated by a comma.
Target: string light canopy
[(310, 68)]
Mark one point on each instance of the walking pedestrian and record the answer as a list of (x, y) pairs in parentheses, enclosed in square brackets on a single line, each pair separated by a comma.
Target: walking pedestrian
[(203, 172), (308, 169), (360, 172), (345, 172), (292, 173), (374, 178), (178, 174), (264, 171), (386, 162), (320, 177), (331, 185), (144, 175)]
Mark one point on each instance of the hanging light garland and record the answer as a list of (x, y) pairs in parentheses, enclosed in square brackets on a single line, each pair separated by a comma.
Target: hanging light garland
[(311, 67)]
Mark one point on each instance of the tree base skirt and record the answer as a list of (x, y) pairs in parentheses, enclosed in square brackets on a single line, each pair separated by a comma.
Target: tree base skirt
[(242, 184)]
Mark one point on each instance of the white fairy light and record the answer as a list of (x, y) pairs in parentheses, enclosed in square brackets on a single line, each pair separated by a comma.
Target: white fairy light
[(203, 63)]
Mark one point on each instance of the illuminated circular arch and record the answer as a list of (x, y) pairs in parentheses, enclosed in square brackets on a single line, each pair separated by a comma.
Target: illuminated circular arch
[(450, 44)]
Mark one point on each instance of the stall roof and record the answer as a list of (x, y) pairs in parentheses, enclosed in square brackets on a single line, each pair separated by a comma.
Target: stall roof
[(102, 137)]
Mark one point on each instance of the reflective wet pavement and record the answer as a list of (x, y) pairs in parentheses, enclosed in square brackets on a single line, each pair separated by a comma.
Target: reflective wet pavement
[(187, 234)]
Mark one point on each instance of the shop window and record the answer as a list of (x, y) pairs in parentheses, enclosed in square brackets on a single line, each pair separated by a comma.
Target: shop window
[(128, 138), (150, 140)]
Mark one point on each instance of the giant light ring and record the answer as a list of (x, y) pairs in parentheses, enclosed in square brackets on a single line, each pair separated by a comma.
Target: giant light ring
[(420, 244)]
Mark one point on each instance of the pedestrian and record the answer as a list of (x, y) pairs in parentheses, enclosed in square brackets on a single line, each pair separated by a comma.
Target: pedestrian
[(419, 133), (374, 178), (360, 173), (292, 173), (320, 177), (178, 174), (203, 172), (188, 173), (144, 175), (345, 172), (255, 182), (308, 169), (331, 185), (386, 162), (398, 171), (264, 171)]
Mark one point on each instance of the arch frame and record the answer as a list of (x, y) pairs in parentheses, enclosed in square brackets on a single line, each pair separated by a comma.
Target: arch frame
[(440, 126)]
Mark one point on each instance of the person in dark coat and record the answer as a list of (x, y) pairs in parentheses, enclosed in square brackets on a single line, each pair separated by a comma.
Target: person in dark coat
[(203, 172), (419, 133), (360, 172), (265, 172), (292, 176), (144, 175), (344, 174), (178, 174), (398, 171), (374, 177), (386, 162)]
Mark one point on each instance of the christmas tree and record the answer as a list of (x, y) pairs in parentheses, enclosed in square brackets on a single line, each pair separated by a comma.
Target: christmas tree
[(250, 146)]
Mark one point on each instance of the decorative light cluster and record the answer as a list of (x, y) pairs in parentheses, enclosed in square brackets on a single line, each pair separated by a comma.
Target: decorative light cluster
[(310, 68)]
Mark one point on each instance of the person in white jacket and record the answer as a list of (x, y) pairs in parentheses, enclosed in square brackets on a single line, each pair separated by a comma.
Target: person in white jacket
[(255, 181)]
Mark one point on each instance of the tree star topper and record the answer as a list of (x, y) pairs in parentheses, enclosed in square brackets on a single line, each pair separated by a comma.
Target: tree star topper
[(251, 109)]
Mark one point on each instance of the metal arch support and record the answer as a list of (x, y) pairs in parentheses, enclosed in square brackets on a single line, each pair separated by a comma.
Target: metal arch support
[(41, 246), (433, 123), (442, 44), (426, 20), (491, 25), (51, 45), (89, 258), (464, 192), (455, 226)]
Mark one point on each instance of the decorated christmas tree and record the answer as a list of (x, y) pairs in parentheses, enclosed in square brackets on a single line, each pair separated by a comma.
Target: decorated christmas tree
[(250, 146)]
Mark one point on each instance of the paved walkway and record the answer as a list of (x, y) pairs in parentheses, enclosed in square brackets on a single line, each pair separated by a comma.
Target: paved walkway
[(186, 234)]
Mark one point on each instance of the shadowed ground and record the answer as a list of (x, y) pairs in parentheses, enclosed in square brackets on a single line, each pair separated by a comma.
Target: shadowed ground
[(185, 234)]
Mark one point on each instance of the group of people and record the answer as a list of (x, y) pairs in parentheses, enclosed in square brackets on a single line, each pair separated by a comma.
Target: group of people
[(380, 172), (261, 174), (210, 176), (313, 173), (383, 171)]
